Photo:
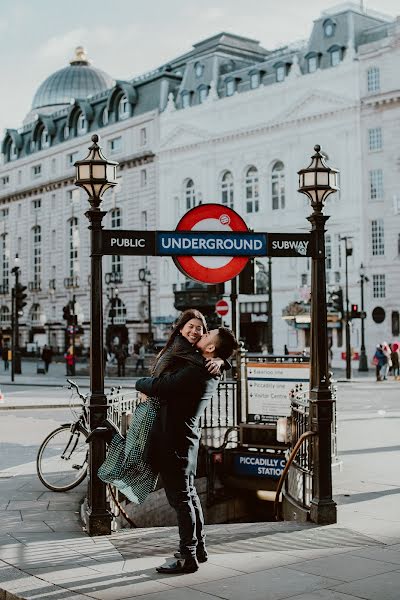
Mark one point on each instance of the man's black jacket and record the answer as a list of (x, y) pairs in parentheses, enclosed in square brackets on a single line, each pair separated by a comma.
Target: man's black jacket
[(184, 395)]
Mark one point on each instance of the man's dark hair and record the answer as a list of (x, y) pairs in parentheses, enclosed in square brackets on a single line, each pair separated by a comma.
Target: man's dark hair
[(226, 343)]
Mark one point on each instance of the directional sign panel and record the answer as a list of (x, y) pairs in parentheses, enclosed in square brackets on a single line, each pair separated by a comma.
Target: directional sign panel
[(211, 243), (289, 244), (128, 242)]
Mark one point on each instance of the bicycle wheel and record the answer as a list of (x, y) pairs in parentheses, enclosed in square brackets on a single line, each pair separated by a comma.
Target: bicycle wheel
[(61, 462)]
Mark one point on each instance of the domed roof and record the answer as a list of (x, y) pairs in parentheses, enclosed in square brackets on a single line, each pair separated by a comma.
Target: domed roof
[(79, 80)]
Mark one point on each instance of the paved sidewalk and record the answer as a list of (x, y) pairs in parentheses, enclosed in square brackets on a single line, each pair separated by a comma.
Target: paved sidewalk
[(45, 554)]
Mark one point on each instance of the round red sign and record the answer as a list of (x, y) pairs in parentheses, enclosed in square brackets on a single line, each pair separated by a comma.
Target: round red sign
[(222, 308), (211, 269)]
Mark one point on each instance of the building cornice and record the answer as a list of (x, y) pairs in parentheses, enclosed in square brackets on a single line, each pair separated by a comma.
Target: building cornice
[(392, 97), (130, 162)]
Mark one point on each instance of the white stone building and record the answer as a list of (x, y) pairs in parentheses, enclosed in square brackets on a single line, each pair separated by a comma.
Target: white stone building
[(227, 122)]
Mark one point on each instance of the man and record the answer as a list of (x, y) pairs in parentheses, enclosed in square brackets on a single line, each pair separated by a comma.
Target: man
[(140, 359), (184, 395), (47, 357)]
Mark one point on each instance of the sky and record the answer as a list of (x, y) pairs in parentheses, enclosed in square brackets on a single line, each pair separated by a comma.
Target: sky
[(128, 37)]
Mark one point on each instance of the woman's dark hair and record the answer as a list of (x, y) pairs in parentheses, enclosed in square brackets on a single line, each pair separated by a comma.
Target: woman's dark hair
[(186, 316)]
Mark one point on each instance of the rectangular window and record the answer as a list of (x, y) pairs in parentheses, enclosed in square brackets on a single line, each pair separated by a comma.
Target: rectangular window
[(375, 138), (71, 159), (373, 79), (377, 237), (335, 57), (280, 73), (376, 184), (19, 177), (36, 204), (53, 165), (254, 80), (4, 213), (19, 210), (230, 87), (5, 180), (143, 136), (304, 279), (36, 171), (312, 64), (143, 178), (378, 286), (115, 145)]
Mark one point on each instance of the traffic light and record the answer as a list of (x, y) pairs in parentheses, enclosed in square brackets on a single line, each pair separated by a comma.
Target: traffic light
[(67, 312), (247, 278), (354, 312), (337, 300), (20, 297)]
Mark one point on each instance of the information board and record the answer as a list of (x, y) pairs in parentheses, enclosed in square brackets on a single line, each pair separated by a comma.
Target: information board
[(269, 386)]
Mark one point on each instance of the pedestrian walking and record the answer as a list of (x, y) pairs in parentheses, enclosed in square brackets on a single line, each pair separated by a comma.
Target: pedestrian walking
[(394, 356), (5, 356), (141, 353), (184, 395), (70, 361), (121, 356), (388, 363), (47, 357), (379, 360)]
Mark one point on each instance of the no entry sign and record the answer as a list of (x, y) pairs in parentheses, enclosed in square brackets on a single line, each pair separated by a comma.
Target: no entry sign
[(211, 269), (222, 308)]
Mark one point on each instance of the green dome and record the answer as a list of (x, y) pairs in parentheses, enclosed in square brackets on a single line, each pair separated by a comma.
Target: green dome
[(79, 80)]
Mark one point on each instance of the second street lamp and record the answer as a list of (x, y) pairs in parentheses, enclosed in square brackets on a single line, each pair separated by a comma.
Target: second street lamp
[(348, 252), (363, 364), (145, 277), (317, 182)]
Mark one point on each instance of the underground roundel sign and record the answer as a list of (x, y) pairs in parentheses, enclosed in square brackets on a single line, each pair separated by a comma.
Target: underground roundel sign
[(211, 269)]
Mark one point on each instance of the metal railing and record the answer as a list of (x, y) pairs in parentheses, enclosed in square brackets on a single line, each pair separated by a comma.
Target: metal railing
[(219, 415)]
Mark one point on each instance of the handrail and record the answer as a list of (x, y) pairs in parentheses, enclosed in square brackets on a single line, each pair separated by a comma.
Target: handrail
[(285, 471)]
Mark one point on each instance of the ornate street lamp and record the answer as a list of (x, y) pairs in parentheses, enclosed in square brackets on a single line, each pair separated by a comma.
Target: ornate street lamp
[(317, 182), (363, 364), (145, 277), (95, 174)]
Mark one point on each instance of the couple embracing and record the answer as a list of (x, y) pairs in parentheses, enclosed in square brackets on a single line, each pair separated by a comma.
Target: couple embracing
[(185, 377)]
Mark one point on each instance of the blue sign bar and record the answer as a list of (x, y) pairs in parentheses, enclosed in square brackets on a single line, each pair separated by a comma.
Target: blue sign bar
[(210, 243), (259, 465)]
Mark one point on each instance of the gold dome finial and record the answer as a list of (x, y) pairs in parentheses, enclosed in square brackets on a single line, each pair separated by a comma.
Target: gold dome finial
[(80, 57)]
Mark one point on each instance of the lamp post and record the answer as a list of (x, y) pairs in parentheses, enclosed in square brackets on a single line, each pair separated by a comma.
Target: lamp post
[(363, 364), (15, 353), (95, 174), (317, 182), (348, 252), (145, 277), (270, 347)]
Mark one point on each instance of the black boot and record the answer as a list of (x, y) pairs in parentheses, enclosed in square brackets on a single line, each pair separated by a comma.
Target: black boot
[(187, 565), (201, 555)]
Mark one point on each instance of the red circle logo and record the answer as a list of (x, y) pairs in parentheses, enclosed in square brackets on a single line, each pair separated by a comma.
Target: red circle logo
[(211, 269)]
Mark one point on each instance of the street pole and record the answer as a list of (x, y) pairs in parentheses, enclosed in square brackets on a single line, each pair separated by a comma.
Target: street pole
[(234, 302), (13, 301), (363, 363), (270, 347), (322, 506), (150, 335), (95, 174), (73, 335), (348, 252), (16, 354)]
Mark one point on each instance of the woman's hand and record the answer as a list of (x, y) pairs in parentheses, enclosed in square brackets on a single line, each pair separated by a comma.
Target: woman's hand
[(142, 397), (213, 365)]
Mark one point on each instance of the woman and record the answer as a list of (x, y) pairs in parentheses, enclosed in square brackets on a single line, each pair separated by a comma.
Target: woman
[(379, 362), (129, 465)]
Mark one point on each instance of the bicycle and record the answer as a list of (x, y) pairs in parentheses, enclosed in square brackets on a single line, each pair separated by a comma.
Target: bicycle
[(62, 459)]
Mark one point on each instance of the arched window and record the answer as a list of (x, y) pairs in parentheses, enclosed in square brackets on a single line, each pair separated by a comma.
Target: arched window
[(44, 139), (373, 79), (203, 93), (336, 53), (227, 189), (116, 223), (252, 202), (254, 80), (74, 243), (190, 194), (230, 87), (280, 73), (34, 314), (278, 185), (198, 69), (185, 96), (5, 264), (312, 62), (66, 132), (81, 124), (104, 117), (119, 317), (5, 316), (123, 108), (36, 254), (13, 151)]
